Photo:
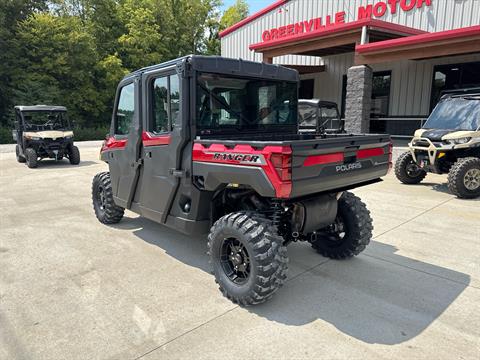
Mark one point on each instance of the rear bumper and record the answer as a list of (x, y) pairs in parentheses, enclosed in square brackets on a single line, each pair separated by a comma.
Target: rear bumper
[(329, 180)]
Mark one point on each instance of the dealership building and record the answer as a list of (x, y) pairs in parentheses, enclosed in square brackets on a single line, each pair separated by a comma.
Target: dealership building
[(385, 63)]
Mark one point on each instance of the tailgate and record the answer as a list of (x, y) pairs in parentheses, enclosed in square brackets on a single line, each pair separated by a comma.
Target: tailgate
[(339, 162)]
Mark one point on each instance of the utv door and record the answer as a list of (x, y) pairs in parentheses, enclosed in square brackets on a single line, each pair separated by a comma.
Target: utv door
[(126, 129), (162, 142)]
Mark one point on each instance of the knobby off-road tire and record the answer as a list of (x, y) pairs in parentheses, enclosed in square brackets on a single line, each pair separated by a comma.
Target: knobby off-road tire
[(350, 233), (249, 241), (106, 211), (31, 158), (464, 178), (74, 155), (407, 171), (20, 158)]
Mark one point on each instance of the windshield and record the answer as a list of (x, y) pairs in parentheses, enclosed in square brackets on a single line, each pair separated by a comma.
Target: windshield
[(307, 115), (45, 120), (230, 103), (328, 114), (456, 114)]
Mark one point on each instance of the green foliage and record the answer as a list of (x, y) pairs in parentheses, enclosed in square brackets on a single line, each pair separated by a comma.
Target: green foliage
[(83, 134), (234, 14), (59, 59), (6, 135), (74, 52)]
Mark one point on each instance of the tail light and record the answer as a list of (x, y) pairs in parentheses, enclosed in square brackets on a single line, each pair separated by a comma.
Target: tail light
[(282, 162)]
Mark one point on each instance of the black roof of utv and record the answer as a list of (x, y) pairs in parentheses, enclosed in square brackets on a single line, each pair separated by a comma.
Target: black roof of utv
[(40, 108), (227, 66)]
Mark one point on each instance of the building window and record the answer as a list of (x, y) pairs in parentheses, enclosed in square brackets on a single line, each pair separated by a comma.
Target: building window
[(380, 93), (306, 89), (454, 77), (344, 95)]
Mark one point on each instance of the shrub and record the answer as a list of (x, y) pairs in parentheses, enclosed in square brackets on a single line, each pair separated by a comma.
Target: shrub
[(6, 135), (83, 134)]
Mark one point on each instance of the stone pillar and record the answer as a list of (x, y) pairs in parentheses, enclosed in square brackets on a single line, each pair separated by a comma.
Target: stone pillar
[(358, 100)]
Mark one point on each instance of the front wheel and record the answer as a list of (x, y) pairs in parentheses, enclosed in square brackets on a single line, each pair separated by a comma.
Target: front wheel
[(106, 211), (407, 170), (31, 158), (74, 155), (349, 234), (20, 158), (464, 178), (248, 257)]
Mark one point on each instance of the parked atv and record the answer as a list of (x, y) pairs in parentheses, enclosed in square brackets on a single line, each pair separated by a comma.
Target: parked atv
[(319, 117), (43, 132), (210, 145), (449, 142)]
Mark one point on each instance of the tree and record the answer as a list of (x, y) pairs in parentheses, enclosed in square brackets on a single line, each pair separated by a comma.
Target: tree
[(234, 14), (74, 52), (58, 62), (11, 12)]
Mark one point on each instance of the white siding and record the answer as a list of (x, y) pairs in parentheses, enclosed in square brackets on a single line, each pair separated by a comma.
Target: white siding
[(441, 15), (411, 80)]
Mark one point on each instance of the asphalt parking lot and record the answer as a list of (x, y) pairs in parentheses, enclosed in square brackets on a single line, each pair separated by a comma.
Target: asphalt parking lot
[(72, 288)]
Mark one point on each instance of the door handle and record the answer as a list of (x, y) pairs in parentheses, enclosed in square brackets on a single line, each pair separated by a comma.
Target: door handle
[(177, 173)]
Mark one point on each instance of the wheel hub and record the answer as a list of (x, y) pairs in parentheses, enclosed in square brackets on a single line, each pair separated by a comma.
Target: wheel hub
[(413, 169), (101, 198), (235, 260), (472, 179)]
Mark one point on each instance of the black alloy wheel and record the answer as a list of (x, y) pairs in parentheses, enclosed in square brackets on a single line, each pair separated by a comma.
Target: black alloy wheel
[(248, 257), (106, 211), (407, 170), (235, 260)]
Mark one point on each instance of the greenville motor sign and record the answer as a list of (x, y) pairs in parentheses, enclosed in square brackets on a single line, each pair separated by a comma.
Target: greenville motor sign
[(377, 10)]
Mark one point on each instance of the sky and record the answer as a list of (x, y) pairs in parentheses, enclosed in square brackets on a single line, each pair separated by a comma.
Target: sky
[(254, 5)]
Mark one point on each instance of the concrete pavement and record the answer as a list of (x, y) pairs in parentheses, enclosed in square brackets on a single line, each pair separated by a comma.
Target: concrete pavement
[(73, 288)]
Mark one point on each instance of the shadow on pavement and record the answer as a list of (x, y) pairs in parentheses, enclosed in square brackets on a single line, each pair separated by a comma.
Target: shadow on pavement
[(369, 298)]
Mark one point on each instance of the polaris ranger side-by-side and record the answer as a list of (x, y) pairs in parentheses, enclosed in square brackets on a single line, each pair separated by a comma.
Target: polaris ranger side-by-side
[(41, 132), (449, 142), (319, 117), (210, 145)]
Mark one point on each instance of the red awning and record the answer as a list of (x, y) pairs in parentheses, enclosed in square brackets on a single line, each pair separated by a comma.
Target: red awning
[(443, 43), (334, 30)]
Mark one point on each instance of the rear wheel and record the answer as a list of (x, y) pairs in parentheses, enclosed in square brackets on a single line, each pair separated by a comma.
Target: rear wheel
[(464, 178), (248, 257), (407, 170), (349, 234), (74, 155), (31, 158), (20, 158), (106, 211)]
